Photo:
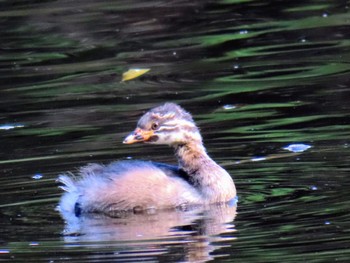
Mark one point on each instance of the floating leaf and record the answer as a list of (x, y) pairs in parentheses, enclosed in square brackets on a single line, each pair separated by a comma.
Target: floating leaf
[(134, 73)]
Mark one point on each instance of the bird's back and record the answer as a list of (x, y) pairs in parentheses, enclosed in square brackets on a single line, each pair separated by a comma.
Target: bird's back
[(127, 185)]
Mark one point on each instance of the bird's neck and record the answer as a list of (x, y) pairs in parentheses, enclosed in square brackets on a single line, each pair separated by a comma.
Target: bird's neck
[(192, 157), (212, 181)]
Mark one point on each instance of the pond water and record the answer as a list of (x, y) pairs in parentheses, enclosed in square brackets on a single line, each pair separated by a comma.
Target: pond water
[(258, 76)]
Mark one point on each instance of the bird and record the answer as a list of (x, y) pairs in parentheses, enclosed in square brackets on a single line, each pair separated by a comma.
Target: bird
[(137, 186)]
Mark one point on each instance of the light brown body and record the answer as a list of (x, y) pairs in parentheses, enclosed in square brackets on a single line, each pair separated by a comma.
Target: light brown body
[(140, 185)]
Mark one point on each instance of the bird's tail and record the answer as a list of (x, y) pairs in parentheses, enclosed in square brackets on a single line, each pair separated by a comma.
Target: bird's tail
[(68, 183)]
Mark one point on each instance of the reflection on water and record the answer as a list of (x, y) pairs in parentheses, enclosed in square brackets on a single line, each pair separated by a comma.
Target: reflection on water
[(195, 231), (259, 77)]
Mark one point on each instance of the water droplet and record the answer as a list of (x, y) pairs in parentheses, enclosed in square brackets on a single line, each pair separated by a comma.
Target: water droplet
[(303, 40), (325, 14), (297, 148), (233, 201), (242, 32), (37, 176), (174, 53), (313, 188), (327, 223), (236, 66)]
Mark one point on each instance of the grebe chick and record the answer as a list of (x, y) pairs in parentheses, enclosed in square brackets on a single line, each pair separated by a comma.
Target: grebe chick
[(143, 185)]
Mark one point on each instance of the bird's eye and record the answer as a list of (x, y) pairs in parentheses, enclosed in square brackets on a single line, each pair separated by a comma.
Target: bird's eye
[(154, 126)]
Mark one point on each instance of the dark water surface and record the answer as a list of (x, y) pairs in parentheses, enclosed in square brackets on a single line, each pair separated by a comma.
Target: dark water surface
[(258, 76)]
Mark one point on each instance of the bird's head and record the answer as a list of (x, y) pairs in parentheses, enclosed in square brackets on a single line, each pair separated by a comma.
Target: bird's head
[(166, 124)]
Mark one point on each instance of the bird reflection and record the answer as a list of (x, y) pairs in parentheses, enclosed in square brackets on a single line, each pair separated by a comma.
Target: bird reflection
[(193, 231)]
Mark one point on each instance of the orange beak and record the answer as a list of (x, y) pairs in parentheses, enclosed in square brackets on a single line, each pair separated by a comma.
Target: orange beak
[(138, 135)]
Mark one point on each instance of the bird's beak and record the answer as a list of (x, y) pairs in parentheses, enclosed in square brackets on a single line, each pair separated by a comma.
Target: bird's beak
[(138, 135)]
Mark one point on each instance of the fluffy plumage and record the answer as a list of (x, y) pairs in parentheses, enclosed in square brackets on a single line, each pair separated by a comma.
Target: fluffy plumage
[(142, 185)]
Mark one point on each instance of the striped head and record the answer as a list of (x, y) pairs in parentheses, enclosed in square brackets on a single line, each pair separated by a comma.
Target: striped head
[(166, 124)]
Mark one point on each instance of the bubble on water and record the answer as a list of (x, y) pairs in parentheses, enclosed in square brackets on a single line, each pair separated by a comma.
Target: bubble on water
[(10, 126), (228, 107), (258, 159), (242, 32), (34, 244), (327, 223), (313, 188), (37, 176), (297, 147), (325, 14)]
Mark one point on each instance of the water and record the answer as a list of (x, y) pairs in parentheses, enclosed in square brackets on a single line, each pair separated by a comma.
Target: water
[(258, 76)]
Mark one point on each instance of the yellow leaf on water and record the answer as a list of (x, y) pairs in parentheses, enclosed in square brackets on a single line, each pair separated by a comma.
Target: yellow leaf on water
[(134, 73)]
